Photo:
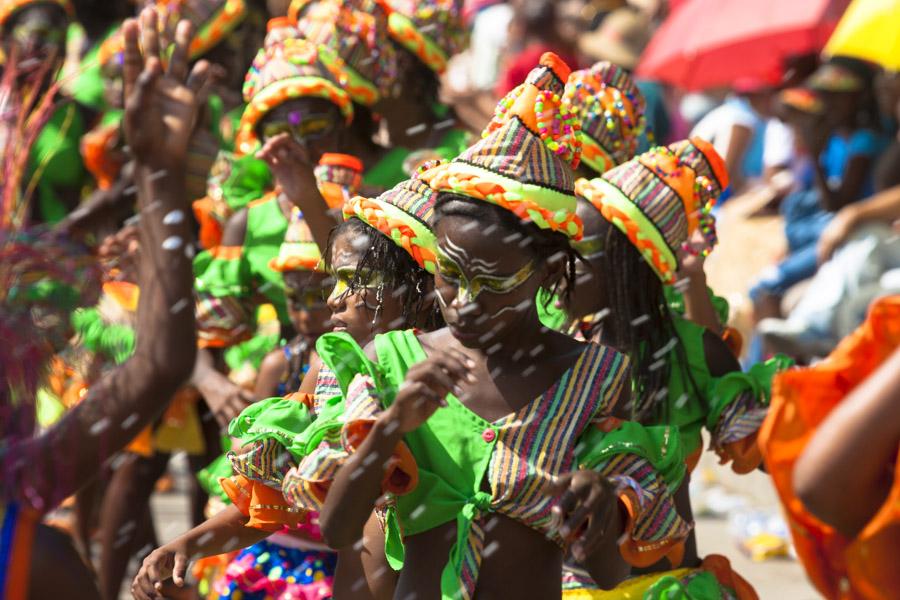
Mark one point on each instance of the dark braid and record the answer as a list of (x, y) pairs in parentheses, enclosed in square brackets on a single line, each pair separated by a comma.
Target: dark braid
[(400, 273), (639, 321), (542, 244)]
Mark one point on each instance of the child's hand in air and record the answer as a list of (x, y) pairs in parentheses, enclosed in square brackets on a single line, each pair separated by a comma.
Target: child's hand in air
[(426, 386), (587, 511), (292, 168), (164, 562)]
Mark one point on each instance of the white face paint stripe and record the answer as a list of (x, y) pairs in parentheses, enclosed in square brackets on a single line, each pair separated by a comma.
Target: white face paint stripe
[(477, 265)]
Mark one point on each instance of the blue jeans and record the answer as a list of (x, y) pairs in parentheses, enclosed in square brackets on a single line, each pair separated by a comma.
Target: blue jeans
[(804, 221)]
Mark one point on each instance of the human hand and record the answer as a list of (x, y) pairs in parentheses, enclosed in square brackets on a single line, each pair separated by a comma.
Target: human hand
[(226, 400), (586, 510), (835, 234), (161, 107), (426, 386), (291, 166), (170, 560), (692, 259)]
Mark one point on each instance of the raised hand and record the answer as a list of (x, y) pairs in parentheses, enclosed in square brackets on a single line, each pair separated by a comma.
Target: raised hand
[(586, 511), (292, 168), (426, 386), (161, 105)]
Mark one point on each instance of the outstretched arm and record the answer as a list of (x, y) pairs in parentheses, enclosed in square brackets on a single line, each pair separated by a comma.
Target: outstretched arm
[(160, 111), (852, 452)]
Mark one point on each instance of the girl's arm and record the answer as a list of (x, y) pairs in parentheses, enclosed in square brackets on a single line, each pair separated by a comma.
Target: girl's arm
[(270, 373), (159, 114), (853, 451), (223, 533)]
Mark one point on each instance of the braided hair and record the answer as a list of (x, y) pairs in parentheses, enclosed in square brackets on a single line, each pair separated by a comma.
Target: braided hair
[(640, 323), (544, 245), (400, 275)]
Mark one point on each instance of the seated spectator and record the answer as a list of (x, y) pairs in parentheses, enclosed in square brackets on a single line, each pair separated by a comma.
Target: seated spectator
[(837, 124)]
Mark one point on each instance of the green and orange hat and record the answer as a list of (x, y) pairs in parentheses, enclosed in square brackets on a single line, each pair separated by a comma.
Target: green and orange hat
[(402, 213), (10, 7), (657, 200), (213, 20), (355, 34), (432, 30), (611, 110), (286, 70), (299, 251), (524, 161)]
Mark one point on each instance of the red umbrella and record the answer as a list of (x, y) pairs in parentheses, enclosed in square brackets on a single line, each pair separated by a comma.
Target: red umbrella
[(709, 43)]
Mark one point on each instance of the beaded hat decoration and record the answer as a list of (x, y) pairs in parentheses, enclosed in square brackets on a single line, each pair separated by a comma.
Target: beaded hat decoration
[(299, 251), (433, 30), (356, 33), (9, 7), (213, 20), (524, 161), (112, 49), (402, 213), (711, 183), (285, 71), (656, 200), (611, 109), (280, 29)]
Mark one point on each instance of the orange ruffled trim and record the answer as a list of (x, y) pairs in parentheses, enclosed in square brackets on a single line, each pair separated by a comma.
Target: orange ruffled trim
[(401, 474), (210, 228), (481, 188), (639, 554), (402, 234), (801, 400), (266, 507)]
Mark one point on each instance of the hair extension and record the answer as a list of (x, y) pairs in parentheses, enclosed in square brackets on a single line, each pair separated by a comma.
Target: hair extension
[(640, 323), (410, 283), (542, 244)]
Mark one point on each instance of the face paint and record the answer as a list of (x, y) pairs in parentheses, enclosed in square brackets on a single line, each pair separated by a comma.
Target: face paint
[(301, 127), (306, 299), (469, 289), (348, 279)]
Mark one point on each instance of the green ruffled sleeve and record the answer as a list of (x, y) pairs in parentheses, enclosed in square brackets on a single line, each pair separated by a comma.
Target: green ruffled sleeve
[(676, 303), (113, 341), (756, 382)]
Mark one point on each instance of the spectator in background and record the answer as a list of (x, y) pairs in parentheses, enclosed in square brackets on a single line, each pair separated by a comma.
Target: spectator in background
[(620, 39), (534, 29), (836, 122)]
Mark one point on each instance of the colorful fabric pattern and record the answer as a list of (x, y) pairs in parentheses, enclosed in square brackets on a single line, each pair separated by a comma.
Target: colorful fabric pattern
[(356, 33), (213, 20), (402, 214), (433, 30), (17, 525), (611, 109), (268, 571), (524, 161), (294, 68)]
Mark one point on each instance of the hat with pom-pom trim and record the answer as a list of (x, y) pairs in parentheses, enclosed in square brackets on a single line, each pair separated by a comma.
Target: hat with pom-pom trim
[(611, 110), (524, 161), (655, 199), (433, 30), (402, 213), (355, 32), (286, 71)]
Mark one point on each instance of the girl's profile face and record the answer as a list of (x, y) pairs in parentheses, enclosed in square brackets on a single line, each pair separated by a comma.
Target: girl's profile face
[(364, 310), (36, 34), (486, 281)]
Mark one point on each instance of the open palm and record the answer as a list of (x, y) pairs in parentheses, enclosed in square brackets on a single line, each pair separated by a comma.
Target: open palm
[(161, 106)]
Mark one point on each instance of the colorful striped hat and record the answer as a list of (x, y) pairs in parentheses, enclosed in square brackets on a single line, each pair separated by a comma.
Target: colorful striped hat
[(402, 213), (657, 200), (611, 109), (9, 7), (285, 71), (433, 30), (524, 161), (298, 251), (213, 20), (356, 33), (700, 155)]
